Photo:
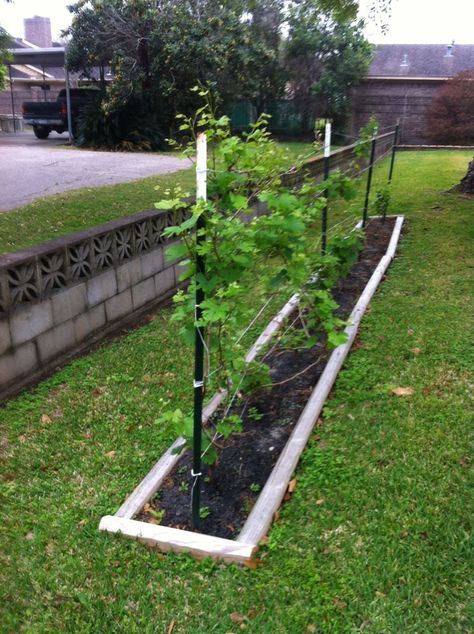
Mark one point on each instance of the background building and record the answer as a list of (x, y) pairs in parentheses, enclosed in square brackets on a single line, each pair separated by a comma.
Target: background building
[(401, 83), (32, 83)]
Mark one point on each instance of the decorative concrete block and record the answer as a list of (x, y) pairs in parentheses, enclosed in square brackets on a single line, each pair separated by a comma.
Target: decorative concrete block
[(89, 322), (101, 287), (59, 339), (69, 303), (129, 274), (18, 363), (143, 292), (5, 339), (27, 322), (152, 262), (119, 305), (164, 281)]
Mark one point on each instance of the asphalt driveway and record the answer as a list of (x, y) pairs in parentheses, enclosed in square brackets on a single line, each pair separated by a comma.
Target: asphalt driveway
[(31, 168)]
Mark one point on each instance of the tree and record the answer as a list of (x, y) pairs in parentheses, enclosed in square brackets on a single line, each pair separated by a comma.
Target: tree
[(451, 114), (466, 185), (85, 50), (4, 40), (159, 49), (324, 58)]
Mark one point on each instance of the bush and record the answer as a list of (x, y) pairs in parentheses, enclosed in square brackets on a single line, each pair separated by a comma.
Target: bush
[(132, 128), (451, 114)]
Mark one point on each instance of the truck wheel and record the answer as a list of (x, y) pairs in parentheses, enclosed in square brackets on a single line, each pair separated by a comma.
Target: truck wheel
[(40, 132)]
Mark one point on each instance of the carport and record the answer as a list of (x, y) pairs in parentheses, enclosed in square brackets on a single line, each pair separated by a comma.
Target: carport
[(53, 57)]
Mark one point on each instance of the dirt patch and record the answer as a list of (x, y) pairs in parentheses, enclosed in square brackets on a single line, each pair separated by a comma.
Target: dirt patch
[(231, 486)]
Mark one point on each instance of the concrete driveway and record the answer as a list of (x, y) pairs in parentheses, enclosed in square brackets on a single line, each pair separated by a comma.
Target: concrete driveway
[(31, 168)]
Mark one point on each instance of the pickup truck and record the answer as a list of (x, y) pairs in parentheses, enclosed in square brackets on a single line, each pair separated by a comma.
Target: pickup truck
[(46, 116)]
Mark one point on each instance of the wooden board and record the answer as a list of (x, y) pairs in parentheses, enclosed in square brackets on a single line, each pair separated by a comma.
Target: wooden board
[(154, 479), (272, 327), (176, 540), (270, 499), (261, 516), (151, 483)]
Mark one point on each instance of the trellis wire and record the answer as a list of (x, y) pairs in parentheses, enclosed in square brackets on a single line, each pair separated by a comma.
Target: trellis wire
[(369, 168), (392, 162), (369, 181), (200, 345)]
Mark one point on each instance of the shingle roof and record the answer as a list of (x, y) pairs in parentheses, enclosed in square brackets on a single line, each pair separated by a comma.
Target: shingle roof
[(421, 60), (18, 43)]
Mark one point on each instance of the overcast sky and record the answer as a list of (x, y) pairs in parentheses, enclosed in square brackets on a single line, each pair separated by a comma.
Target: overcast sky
[(412, 21)]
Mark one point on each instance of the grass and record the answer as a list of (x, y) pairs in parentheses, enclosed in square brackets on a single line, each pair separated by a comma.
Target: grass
[(54, 216), (378, 534), (58, 215)]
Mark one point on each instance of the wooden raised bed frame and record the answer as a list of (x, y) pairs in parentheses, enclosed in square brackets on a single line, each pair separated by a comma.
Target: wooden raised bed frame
[(243, 548)]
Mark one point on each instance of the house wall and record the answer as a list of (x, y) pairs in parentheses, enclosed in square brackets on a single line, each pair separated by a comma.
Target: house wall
[(394, 99)]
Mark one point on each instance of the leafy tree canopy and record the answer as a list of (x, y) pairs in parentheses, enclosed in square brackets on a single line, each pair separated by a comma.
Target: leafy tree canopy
[(324, 58), (244, 49), (4, 39), (158, 50), (3, 56)]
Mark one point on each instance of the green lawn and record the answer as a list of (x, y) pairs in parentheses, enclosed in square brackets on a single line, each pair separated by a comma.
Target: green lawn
[(378, 534), (58, 215)]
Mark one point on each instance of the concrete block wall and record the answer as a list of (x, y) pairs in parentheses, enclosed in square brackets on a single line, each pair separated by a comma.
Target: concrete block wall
[(344, 159), (49, 307)]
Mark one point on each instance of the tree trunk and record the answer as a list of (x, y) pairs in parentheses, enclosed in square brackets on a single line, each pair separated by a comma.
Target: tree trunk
[(466, 186)]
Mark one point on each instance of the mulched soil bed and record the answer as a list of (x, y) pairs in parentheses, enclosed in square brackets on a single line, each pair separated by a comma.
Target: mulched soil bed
[(230, 488)]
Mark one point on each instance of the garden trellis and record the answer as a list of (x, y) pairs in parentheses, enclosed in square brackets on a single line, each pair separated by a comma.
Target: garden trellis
[(253, 237), (385, 143)]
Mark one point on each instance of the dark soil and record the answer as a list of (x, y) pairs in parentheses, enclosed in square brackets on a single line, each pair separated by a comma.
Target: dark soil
[(246, 459)]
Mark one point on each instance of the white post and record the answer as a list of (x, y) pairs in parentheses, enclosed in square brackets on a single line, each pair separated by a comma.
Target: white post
[(199, 334), (201, 166), (327, 154), (327, 140)]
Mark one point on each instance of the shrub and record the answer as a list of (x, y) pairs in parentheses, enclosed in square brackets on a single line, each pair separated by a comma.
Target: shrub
[(132, 128), (451, 114)]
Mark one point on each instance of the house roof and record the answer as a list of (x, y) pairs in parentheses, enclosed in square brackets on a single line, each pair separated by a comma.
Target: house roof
[(27, 61), (421, 60), (25, 54)]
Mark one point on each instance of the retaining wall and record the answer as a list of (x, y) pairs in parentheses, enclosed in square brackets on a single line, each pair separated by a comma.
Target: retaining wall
[(58, 297)]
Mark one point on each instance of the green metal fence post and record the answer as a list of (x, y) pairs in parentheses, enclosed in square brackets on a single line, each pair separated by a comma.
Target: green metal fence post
[(394, 149), (201, 180), (327, 158), (369, 181)]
